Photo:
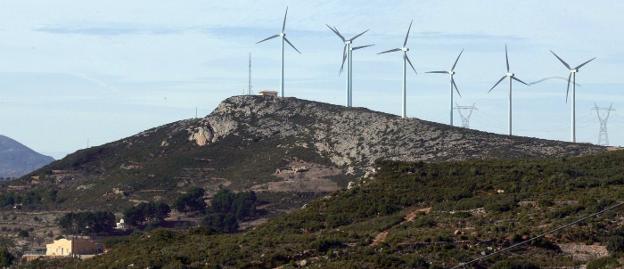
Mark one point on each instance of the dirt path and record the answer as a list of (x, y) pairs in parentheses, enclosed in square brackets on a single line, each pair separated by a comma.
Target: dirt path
[(409, 217)]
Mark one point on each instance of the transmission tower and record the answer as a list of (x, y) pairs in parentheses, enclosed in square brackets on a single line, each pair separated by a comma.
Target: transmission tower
[(603, 114), (465, 112)]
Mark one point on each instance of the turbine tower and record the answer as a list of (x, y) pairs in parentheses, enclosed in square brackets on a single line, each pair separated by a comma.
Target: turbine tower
[(603, 135), (406, 61), (572, 78), (511, 76), (451, 74), (347, 56), (282, 35), (466, 117)]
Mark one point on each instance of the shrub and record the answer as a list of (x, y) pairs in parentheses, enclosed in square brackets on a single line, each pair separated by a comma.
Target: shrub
[(100, 222), (6, 258), (147, 213), (603, 263), (615, 244), (515, 264), (193, 201)]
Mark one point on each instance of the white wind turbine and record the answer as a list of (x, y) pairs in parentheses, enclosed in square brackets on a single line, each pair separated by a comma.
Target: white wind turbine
[(347, 55), (406, 61), (451, 74), (572, 78), (511, 77), (282, 35)]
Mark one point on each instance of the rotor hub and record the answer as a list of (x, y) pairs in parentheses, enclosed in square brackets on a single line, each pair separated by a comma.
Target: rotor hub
[(348, 42), (282, 34), (511, 75), (404, 49), (451, 73), (574, 71)]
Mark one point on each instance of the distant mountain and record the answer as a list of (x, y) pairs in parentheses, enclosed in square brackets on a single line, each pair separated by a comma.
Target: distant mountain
[(17, 160), (286, 149)]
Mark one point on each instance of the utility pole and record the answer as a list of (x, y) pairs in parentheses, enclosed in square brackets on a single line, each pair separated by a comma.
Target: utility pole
[(465, 112), (603, 114)]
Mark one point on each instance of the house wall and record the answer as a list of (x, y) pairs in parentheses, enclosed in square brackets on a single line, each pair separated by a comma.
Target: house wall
[(61, 247)]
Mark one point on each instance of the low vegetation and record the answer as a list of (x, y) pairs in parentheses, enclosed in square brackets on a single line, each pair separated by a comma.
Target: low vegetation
[(415, 215)]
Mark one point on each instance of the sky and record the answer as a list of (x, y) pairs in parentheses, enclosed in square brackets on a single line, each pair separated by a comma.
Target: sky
[(83, 73)]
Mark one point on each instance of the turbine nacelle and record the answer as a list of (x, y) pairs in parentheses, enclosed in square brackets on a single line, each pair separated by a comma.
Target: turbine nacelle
[(282, 34), (451, 73), (404, 49), (509, 74), (348, 42), (574, 70)]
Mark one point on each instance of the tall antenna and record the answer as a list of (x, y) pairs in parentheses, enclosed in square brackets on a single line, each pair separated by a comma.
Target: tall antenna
[(249, 86), (603, 114), (465, 112)]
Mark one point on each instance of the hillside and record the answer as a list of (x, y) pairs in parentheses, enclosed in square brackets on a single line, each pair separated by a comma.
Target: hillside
[(419, 215), (287, 150), (17, 160)]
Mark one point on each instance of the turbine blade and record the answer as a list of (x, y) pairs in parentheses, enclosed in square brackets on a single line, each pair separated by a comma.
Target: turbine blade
[(457, 60), (583, 64), (361, 47), (551, 78), (499, 81), (437, 72), (455, 86), (344, 58), (568, 90), (410, 63), (358, 35), (507, 58), (519, 80), (284, 23), (270, 37), (336, 32), (388, 51), (408, 33), (293, 46), (561, 60)]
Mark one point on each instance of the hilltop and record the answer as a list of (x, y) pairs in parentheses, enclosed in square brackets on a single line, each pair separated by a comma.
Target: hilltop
[(286, 149), (17, 160)]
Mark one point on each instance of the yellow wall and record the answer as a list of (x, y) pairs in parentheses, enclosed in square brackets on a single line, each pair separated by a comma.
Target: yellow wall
[(61, 247), (64, 247)]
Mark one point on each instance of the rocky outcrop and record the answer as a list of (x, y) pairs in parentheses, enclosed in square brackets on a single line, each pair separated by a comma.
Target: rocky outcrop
[(357, 137)]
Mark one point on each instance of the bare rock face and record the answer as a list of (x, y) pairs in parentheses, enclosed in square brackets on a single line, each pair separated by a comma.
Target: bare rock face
[(201, 136), (357, 137)]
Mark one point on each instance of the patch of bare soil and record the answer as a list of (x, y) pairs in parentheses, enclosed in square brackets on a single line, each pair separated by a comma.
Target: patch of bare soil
[(300, 176)]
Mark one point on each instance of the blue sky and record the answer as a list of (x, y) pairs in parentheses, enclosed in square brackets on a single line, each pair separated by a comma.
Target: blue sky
[(72, 71)]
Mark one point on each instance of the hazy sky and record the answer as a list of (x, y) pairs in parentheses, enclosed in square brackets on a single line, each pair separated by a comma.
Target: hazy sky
[(72, 71)]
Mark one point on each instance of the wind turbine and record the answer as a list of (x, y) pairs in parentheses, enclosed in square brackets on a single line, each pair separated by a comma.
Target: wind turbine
[(511, 77), (282, 35), (572, 78), (347, 55), (451, 74), (406, 61)]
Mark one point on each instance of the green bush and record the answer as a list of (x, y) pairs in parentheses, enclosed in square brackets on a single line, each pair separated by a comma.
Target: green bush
[(615, 244), (603, 263), (6, 258), (192, 201), (514, 264)]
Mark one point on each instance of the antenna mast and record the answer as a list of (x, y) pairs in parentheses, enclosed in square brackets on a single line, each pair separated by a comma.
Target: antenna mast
[(465, 117), (249, 86), (603, 135)]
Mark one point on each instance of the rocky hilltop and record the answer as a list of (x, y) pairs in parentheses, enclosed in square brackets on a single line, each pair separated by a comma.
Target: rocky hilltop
[(357, 137), (286, 149), (17, 160)]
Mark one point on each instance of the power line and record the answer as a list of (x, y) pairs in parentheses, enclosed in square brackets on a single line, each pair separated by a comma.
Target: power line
[(539, 236)]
